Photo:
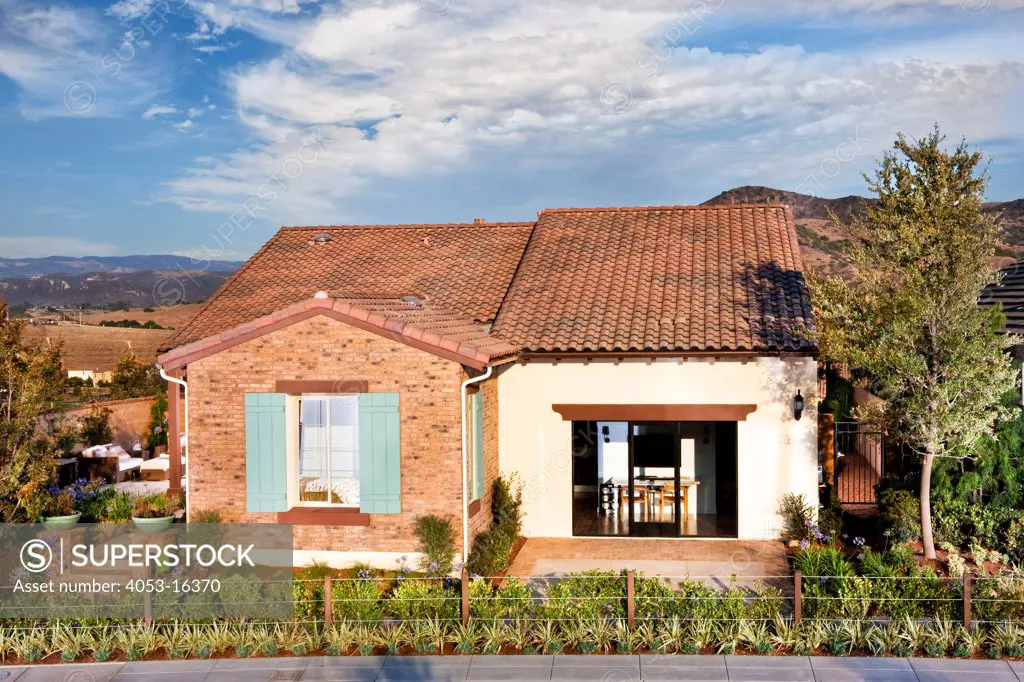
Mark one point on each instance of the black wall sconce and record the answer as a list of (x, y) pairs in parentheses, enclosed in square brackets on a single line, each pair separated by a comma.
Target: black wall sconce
[(798, 406), (605, 432)]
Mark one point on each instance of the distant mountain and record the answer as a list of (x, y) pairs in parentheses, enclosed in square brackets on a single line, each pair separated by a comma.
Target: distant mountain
[(823, 245), (71, 265), (141, 288)]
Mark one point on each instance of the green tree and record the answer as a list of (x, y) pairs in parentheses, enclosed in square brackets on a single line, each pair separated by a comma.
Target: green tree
[(132, 378), (31, 437), (910, 317)]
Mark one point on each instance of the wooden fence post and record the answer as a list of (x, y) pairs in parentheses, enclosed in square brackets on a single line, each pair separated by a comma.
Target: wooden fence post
[(465, 596), (630, 598), (328, 600), (967, 599), (798, 580)]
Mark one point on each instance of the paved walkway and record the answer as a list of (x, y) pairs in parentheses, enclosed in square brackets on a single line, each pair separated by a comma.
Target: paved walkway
[(528, 668)]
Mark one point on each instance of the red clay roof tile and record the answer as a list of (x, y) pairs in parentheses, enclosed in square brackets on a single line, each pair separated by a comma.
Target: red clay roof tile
[(662, 278), (466, 268), (721, 278)]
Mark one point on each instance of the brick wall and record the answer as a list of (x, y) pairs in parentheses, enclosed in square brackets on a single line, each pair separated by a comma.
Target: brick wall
[(127, 418), (324, 349)]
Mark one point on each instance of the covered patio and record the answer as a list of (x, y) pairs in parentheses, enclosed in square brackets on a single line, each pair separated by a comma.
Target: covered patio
[(710, 561)]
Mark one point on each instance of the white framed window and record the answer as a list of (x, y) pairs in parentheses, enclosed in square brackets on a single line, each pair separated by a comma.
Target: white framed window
[(327, 471)]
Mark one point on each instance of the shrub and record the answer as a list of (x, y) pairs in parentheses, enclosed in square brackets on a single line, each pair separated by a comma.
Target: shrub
[(205, 516), (490, 555), (797, 517), (119, 508), (492, 548), (357, 600), (96, 427), (588, 595), (437, 544), (420, 599), (156, 506), (1013, 541), (899, 515)]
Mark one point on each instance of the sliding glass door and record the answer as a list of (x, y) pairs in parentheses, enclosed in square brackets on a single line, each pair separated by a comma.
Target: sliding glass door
[(653, 493)]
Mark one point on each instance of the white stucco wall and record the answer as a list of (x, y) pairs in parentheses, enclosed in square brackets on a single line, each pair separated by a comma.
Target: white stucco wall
[(776, 453)]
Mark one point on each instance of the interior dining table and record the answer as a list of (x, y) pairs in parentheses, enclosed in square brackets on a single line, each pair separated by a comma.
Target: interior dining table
[(650, 488)]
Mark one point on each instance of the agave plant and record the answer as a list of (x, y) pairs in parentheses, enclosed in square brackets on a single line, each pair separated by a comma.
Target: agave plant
[(340, 638), (813, 635), (519, 634), (136, 642), (31, 645), (293, 638), (466, 637), (548, 637), (492, 636), (391, 636), (71, 642), (755, 636), (969, 641), (785, 634), (726, 634), (671, 636), (175, 641), (429, 635), (912, 637), (102, 644), (940, 636), (365, 638)]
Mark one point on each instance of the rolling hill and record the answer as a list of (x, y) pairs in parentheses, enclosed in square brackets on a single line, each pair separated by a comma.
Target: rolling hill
[(824, 246)]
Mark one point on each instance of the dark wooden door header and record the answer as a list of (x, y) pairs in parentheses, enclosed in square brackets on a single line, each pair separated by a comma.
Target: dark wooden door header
[(654, 412)]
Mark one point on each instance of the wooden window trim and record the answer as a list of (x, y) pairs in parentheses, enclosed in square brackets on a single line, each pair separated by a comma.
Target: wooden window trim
[(654, 412), (315, 386), (324, 516)]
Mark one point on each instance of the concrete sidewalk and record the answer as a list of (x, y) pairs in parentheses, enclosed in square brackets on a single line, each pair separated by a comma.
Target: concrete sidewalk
[(528, 668)]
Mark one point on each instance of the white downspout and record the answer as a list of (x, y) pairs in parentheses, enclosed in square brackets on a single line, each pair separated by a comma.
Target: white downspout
[(184, 459), (465, 466)]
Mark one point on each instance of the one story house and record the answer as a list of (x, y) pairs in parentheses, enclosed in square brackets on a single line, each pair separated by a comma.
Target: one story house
[(646, 372)]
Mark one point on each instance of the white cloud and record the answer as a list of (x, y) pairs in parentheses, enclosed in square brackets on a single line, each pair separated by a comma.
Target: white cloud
[(159, 110), (221, 47), (187, 124), (513, 85), (41, 246), (67, 62)]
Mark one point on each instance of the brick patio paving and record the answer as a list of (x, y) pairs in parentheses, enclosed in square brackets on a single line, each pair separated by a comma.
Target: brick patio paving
[(708, 560)]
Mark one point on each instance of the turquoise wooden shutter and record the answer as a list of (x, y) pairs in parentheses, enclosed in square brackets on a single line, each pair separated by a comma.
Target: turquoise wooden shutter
[(266, 453), (478, 445), (380, 461)]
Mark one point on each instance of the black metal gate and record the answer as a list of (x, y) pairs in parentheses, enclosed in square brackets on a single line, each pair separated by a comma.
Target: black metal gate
[(860, 462)]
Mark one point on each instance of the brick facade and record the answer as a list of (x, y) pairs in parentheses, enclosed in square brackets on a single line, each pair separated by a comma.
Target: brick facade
[(324, 349)]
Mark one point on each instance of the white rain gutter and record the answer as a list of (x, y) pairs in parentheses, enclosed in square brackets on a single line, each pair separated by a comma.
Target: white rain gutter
[(182, 459), (465, 465)]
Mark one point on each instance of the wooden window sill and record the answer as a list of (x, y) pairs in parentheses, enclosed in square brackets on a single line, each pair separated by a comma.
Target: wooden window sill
[(323, 516), (474, 507)]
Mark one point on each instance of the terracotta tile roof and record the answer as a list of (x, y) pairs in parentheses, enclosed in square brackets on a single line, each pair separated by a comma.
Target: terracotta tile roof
[(1008, 293), (668, 278), (408, 320), (466, 268), (430, 324)]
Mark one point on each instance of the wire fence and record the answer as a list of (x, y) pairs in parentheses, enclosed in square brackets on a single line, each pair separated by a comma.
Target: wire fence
[(627, 596)]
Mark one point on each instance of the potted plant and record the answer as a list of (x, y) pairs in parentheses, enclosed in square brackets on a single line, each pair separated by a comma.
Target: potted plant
[(60, 509), (155, 513)]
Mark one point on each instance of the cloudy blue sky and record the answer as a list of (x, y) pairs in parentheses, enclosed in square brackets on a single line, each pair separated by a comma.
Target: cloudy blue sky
[(198, 126)]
